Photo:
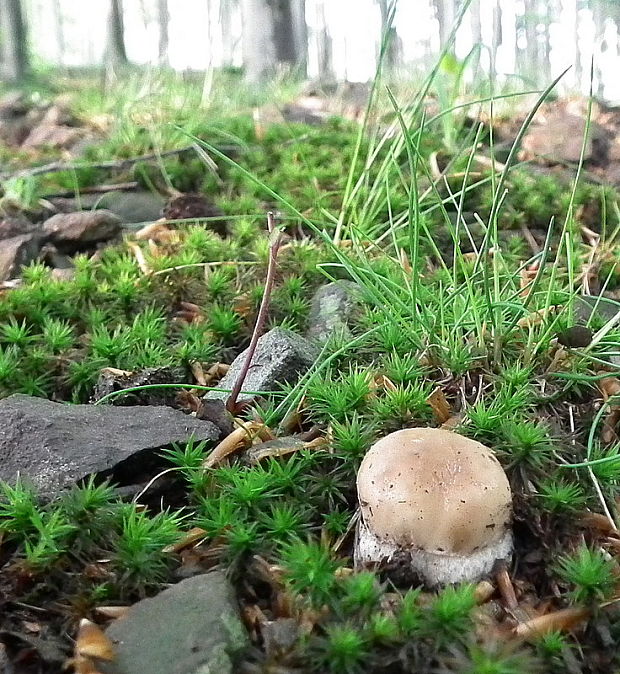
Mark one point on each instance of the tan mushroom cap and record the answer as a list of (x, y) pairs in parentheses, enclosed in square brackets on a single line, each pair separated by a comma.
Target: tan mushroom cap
[(431, 489)]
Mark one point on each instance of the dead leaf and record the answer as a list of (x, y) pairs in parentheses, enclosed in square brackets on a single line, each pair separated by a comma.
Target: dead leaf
[(113, 612), (404, 261), (243, 436), (484, 591), (82, 665), (526, 278), (451, 423), (140, 259), (32, 627), (384, 383), (599, 522), (157, 231), (91, 642), (198, 372), (281, 447), (188, 400), (536, 317), (559, 621), (216, 372), (190, 537), (506, 587), (190, 313), (609, 387), (440, 406)]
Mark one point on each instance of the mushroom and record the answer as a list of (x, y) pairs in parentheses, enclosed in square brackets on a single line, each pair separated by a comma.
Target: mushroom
[(435, 503)]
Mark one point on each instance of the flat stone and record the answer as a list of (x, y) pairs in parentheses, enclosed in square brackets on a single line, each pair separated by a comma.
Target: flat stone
[(16, 225), (559, 138), (52, 445), (81, 228), (281, 356), (16, 252), (332, 307), (53, 136), (604, 308), (133, 207), (13, 104), (111, 380), (192, 627)]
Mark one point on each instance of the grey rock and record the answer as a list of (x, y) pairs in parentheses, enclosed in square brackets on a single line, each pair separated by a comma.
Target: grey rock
[(133, 207), (81, 228), (603, 308), (17, 252), (192, 627), (215, 411), (52, 136), (280, 636), (13, 104), (85, 202), (280, 357), (111, 380), (52, 445), (333, 306), (16, 225), (559, 138)]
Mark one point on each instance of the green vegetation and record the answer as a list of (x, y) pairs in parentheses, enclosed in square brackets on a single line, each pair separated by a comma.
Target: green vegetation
[(453, 300)]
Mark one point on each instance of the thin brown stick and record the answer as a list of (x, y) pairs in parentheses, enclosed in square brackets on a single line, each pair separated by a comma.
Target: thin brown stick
[(58, 166), (505, 586), (276, 239), (95, 189)]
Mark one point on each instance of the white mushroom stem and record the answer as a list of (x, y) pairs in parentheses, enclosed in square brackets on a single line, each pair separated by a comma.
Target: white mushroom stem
[(434, 568)]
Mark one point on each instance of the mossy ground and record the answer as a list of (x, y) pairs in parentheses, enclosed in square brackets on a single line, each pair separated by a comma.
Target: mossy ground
[(458, 306)]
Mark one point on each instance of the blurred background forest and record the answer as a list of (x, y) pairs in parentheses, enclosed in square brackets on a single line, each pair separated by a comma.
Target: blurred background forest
[(524, 42)]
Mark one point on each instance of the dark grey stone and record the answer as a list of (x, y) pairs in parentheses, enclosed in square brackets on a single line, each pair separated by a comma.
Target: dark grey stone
[(192, 627), (111, 380), (81, 228), (280, 357), (333, 306), (602, 307), (16, 225), (17, 252), (53, 445), (133, 207)]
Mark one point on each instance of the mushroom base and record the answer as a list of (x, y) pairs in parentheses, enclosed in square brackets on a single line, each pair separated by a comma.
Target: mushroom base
[(434, 568)]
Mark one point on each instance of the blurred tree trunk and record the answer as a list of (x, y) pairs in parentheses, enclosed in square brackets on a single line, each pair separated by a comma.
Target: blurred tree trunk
[(115, 47), (300, 31), (498, 37), (163, 19), (445, 13), (259, 56), (270, 37), (227, 9), (476, 22), (60, 32), (393, 53), (15, 62), (324, 45), (531, 36)]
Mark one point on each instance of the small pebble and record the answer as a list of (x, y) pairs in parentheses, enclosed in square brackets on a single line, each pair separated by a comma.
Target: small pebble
[(575, 336)]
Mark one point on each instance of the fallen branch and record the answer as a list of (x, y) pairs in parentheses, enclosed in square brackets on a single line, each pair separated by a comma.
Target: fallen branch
[(59, 166), (94, 189), (276, 239)]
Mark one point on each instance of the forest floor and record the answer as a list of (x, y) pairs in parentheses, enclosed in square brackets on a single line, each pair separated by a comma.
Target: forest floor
[(472, 251)]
